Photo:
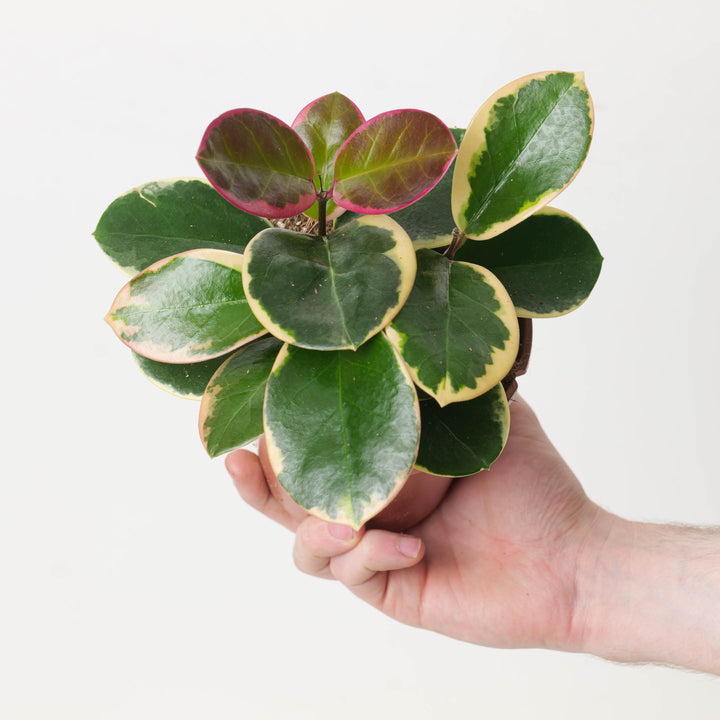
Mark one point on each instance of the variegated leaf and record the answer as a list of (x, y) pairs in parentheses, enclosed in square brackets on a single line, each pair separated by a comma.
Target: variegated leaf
[(522, 148), (458, 332), (464, 437), (329, 292), (187, 308), (231, 411), (167, 217), (185, 380), (342, 428), (548, 263)]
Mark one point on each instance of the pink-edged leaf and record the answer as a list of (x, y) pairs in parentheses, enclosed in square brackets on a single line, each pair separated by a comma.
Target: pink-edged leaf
[(258, 163), (392, 160), (325, 124)]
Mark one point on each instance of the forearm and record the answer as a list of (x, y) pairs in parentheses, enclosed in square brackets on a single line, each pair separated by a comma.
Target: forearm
[(650, 593)]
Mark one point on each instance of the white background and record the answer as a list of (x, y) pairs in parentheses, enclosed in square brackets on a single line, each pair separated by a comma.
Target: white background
[(135, 584)]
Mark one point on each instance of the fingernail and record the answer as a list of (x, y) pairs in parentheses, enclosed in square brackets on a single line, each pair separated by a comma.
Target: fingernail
[(340, 532), (408, 546)]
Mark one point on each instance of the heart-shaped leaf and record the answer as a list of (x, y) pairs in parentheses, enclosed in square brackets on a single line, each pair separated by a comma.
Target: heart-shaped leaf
[(329, 292), (231, 411), (548, 263), (392, 160), (258, 163), (324, 125), (187, 380), (522, 148), (167, 217), (458, 332), (342, 428), (465, 437), (187, 308)]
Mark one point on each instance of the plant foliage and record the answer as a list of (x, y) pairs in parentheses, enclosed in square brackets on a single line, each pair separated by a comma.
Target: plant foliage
[(377, 344)]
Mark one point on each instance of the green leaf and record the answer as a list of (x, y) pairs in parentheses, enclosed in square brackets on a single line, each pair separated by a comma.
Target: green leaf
[(231, 411), (258, 163), (548, 263), (187, 380), (324, 125), (392, 160), (465, 437), (458, 332), (523, 147), (342, 428), (167, 217), (331, 292), (187, 308)]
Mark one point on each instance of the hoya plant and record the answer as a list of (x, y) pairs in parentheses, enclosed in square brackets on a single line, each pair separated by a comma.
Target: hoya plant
[(352, 288)]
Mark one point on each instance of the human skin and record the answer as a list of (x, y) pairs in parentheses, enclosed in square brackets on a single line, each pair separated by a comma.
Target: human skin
[(519, 556)]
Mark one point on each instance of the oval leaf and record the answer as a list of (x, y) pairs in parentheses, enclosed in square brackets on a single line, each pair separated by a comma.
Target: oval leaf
[(187, 380), (548, 263), (324, 125), (186, 308), (167, 217), (342, 428), (458, 332), (231, 411), (465, 437), (329, 292), (392, 160), (258, 163), (523, 147)]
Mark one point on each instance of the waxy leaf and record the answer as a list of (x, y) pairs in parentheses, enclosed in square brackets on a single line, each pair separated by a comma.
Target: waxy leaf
[(458, 332), (342, 428), (329, 292), (231, 411), (429, 221), (463, 438), (548, 263), (522, 148), (392, 160), (186, 380), (258, 163), (187, 308), (324, 125), (167, 217)]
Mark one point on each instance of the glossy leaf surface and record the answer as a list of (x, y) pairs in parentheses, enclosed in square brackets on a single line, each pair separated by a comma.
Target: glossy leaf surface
[(186, 380), (522, 148), (333, 292), (548, 263), (167, 217), (458, 332), (231, 411), (324, 125), (465, 437), (342, 428), (187, 308), (258, 163), (392, 160)]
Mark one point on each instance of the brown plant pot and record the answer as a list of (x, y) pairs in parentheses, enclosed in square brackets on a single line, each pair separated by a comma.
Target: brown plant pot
[(422, 492)]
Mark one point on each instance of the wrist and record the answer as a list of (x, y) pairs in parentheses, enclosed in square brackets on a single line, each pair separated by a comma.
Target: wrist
[(648, 593)]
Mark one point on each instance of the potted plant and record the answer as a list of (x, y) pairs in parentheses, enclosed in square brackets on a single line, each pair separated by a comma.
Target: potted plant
[(331, 286)]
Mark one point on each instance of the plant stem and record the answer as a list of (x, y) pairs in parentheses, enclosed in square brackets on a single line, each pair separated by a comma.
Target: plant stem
[(322, 221), (458, 239)]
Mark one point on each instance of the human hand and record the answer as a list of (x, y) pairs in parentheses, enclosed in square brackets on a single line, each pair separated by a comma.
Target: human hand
[(495, 562)]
